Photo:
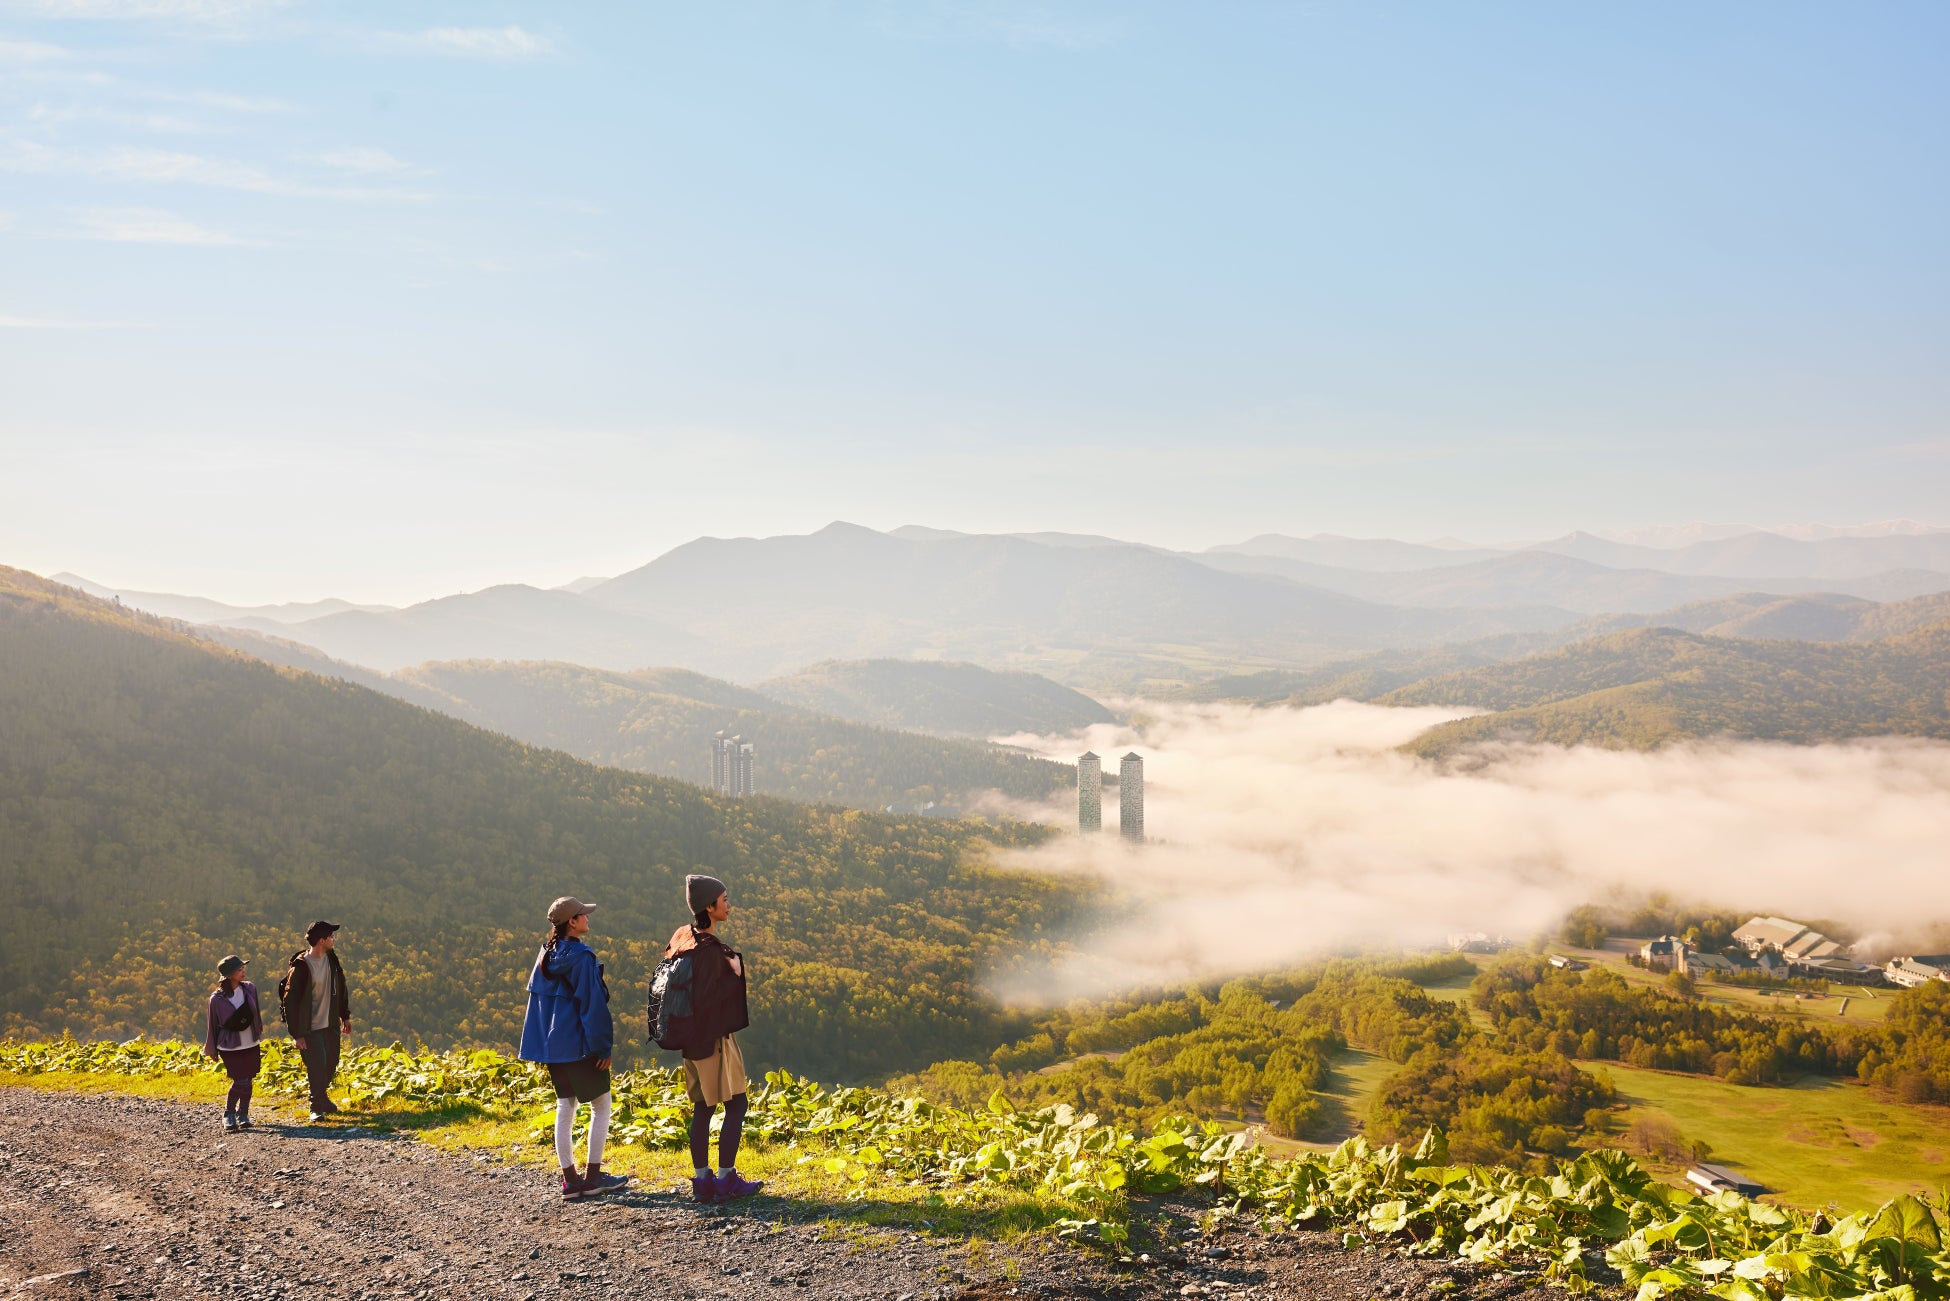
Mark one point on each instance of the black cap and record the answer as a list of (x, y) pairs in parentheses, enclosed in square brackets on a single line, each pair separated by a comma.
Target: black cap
[(318, 931), (700, 891), (230, 964)]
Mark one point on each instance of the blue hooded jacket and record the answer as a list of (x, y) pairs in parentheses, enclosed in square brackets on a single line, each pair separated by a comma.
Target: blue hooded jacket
[(568, 1008)]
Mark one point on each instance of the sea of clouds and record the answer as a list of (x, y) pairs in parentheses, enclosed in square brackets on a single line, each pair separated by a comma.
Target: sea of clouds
[(1279, 834)]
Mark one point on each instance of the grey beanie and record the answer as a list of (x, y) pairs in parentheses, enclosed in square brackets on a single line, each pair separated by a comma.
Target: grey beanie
[(702, 891)]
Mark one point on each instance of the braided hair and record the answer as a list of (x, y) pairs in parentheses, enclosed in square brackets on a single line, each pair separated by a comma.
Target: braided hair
[(557, 932)]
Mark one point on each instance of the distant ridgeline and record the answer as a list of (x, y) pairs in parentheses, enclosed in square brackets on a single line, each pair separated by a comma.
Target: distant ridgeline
[(1884, 670), (1654, 686), (164, 801), (935, 696), (662, 720)]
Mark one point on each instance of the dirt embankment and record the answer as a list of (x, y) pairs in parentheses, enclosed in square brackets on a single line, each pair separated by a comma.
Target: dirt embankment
[(106, 1196)]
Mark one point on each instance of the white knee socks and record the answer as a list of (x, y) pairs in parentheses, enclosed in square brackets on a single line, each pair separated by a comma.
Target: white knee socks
[(598, 1128), (565, 1123)]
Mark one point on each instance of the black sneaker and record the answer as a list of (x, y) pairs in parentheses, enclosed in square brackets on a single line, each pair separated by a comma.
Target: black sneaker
[(244, 1123)]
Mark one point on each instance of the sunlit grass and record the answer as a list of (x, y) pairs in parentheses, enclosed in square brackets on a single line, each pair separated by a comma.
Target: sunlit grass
[(1819, 1143)]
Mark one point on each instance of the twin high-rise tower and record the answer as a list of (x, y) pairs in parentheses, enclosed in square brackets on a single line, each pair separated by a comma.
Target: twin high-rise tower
[(1130, 796), (731, 765), (1090, 793)]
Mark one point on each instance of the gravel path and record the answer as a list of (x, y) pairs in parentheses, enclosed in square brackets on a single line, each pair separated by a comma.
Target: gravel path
[(109, 1196)]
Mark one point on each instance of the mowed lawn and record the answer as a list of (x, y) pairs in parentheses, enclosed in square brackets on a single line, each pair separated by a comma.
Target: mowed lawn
[(1819, 1143)]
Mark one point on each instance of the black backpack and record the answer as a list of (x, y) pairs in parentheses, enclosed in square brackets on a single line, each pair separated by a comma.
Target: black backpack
[(670, 1011), (284, 984)]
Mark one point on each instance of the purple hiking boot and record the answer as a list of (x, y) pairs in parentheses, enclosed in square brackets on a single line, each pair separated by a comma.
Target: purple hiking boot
[(734, 1187), (704, 1188)]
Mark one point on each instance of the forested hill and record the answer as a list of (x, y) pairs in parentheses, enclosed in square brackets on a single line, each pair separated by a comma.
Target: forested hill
[(1650, 687), (939, 696), (661, 721), (164, 801)]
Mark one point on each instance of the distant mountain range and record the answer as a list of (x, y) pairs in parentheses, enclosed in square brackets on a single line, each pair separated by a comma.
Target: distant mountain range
[(1102, 613), (1653, 686), (1820, 618), (660, 721)]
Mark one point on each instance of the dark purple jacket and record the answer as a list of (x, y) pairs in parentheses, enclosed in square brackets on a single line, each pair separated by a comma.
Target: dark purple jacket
[(215, 1039)]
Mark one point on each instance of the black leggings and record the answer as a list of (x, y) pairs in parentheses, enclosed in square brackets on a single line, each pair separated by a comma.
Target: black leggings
[(734, 1129)]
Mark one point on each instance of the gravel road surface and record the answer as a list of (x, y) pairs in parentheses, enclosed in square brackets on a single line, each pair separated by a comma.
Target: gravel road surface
[(109, 1196)]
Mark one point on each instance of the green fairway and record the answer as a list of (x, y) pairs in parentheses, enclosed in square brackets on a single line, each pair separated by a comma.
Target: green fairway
[(1819, 1143), (1355, 1077)]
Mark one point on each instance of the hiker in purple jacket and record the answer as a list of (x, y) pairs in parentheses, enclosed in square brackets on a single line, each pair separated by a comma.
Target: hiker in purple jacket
[(233, 1028)]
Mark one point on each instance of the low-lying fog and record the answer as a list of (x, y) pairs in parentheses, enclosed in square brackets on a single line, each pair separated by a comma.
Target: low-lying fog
[(1280, 833)]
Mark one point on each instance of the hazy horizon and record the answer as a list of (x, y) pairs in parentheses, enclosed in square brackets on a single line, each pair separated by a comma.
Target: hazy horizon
[(326, 297), (396, 590)]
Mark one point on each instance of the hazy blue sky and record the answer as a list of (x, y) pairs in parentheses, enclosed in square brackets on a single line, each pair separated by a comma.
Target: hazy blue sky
[(392, 300)]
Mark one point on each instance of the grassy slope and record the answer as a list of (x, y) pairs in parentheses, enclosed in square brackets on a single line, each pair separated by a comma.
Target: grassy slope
[(1816, 1143)]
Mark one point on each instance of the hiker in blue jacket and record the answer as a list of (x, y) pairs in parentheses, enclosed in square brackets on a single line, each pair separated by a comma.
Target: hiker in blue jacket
[(568, 1029)]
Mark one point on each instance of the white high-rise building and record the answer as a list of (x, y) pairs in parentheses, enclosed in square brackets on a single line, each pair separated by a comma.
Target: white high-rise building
[(731, 765), (1090, 794), (742, 785), (1130, 798)]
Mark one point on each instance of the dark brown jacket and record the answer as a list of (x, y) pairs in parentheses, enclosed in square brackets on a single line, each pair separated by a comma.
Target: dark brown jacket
[(718, 1005), (295, 1005)]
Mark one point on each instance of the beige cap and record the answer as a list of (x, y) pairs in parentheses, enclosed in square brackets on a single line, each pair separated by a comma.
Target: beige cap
[(566, 907)]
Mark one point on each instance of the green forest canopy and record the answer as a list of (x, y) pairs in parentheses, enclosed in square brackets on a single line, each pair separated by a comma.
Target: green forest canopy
[(164, 800)]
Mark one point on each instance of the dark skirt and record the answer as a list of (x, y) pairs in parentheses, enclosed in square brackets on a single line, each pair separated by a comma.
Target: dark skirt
[(584, 1080), (241, 1064)]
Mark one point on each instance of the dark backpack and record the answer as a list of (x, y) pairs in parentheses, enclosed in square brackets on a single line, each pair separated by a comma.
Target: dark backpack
[(670, 1009), (284, 984)]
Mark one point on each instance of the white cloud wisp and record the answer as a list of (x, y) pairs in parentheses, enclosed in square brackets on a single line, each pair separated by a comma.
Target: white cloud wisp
[(1277, 834)]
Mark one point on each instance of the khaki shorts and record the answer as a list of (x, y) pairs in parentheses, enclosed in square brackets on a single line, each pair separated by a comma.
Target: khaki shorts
[(711, 1080)]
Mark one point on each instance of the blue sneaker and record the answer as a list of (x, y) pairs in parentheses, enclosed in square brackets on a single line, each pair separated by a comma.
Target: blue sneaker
[(597, 1184)]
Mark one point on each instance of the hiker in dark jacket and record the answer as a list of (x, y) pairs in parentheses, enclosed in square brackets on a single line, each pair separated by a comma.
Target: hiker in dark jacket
[(316, 1005), (714, 1068), (568, 1028), (233, 1029)]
